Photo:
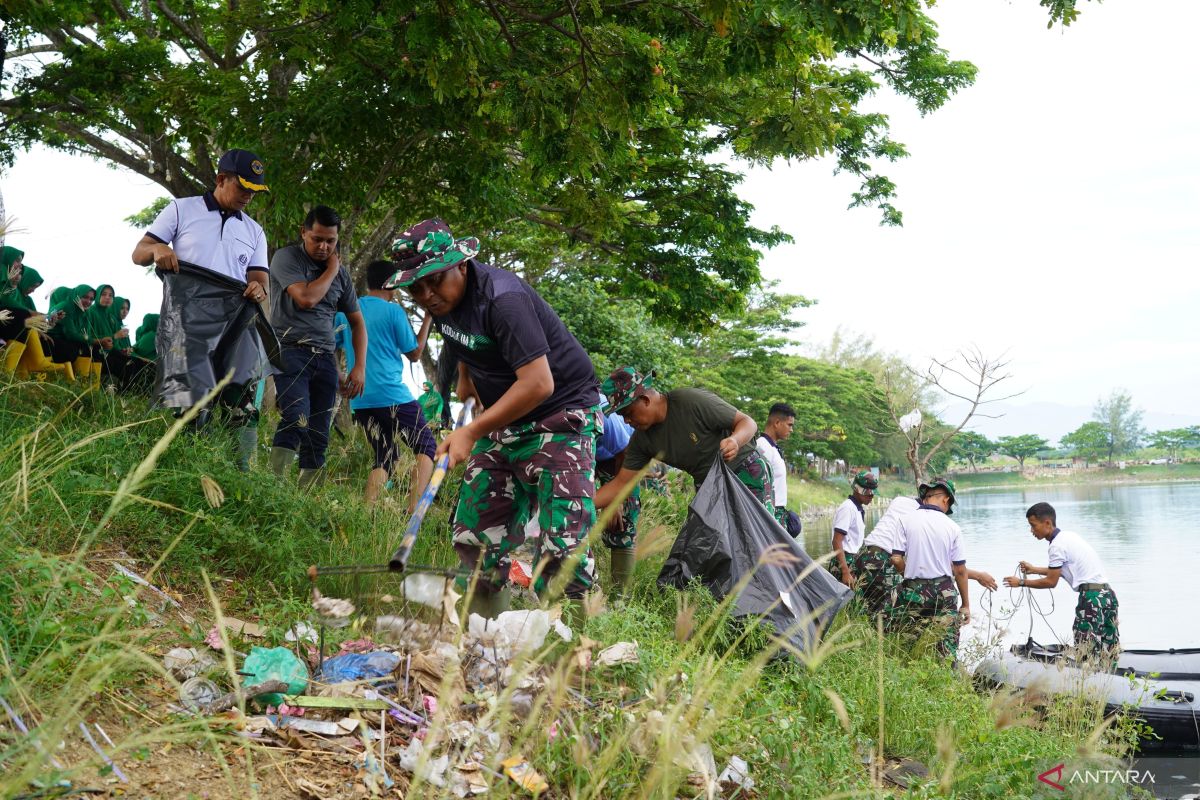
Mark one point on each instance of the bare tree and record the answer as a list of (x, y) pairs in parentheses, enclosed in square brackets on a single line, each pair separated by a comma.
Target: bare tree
[(970, 376)]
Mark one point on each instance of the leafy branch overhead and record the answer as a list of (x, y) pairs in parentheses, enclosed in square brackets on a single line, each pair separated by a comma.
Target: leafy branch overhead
[(597, 121)]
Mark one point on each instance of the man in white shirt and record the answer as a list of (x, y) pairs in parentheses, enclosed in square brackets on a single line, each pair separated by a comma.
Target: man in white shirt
[(927, 551), (875, 574), (1071, 557), (781, 419), (206, 326), (849, 526)]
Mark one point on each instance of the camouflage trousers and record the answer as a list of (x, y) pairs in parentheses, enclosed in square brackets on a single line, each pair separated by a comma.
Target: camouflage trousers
[(1096, 620), (919, 603), (621, 531), (875, 578), (532, 479), (755, 475)]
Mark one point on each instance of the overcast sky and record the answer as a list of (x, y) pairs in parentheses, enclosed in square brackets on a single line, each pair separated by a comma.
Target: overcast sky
[(1050, 211)]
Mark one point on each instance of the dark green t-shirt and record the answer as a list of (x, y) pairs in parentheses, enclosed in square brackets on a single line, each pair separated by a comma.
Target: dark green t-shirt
[(689, 438)]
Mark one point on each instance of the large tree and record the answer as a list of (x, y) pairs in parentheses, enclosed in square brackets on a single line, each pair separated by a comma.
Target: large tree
[(577, 125), (1175, 440), (1122, 422), (1020, 447), (972, 447), (1089, 441)]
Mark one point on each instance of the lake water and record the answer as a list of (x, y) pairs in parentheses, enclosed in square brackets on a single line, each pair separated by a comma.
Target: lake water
[(1147, 535)]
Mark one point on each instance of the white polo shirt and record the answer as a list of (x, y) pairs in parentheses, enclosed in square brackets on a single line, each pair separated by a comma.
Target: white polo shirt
[(883, 535), (770, 453), (849, 519), (1076, 558), (930, 542), (226, 242)]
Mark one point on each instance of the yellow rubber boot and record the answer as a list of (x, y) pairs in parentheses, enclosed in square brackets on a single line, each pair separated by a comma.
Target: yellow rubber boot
[(12, 355), (83, 368), (96, 374), (35, 359)]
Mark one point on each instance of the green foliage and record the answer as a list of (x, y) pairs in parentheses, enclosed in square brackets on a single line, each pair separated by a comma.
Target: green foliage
[(597, 124), (1020, 447), (616, 332), (1089, 441), (972, 447), (1122, 422), (1176, 440), (143, 219)]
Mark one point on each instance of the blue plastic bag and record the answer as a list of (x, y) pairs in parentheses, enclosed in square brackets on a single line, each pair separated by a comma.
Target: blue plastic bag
[(356, 666)]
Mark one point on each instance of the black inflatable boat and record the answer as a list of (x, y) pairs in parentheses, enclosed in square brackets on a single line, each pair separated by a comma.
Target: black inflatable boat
[(1161, 686)]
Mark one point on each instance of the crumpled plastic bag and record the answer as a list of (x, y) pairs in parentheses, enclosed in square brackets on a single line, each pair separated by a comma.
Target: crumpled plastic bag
[(512, 632), (275, 663), (356, 666)]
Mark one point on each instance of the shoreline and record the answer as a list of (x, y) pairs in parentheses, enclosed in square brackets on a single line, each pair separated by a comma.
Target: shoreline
[(1115, 480)]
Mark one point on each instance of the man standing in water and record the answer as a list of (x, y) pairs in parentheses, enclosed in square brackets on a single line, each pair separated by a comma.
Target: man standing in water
[(1071, 557)]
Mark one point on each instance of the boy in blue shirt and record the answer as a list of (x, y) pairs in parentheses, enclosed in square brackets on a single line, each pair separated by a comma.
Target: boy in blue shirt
[(386, 408), (621, 532)]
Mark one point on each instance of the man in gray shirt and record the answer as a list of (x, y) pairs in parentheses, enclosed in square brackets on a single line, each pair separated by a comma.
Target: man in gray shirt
[(308, 287)]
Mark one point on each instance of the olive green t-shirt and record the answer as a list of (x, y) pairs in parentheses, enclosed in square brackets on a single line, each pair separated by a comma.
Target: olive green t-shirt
[(690, 437)]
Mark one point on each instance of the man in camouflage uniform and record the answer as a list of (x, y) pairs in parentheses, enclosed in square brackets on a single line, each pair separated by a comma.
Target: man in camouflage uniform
[(1071, 557), (687, 429), (927, 551), (875, 575), (531, 452)]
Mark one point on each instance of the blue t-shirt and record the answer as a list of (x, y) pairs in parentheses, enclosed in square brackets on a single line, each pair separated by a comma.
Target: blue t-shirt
[(615, 438), (389, 337)]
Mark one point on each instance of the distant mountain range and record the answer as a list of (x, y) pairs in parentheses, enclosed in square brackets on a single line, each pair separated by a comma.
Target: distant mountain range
[(1051, 420)]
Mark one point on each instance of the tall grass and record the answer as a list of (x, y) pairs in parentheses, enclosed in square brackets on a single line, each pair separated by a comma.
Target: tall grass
[(85, 476)]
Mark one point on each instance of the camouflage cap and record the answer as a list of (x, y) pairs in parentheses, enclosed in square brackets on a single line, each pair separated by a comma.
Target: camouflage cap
[(865, 480), (426, 248), (625, 385), (938, 483)]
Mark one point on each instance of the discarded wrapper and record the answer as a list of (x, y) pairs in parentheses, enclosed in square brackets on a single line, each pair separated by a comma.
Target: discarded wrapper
[(524, 775), (619, 653), (198, 693), (737, 772)]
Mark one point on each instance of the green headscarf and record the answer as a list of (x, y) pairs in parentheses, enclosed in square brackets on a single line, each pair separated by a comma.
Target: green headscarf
[(103, 321), (121, 342), (10, 294), (74, 326), (146, 334), (31, 279)]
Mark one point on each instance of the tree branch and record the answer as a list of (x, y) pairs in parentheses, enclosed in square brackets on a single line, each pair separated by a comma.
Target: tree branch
[(192, 34)]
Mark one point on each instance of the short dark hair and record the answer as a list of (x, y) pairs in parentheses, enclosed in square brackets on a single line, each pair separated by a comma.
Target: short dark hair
[(323, 215), (1042, 511), (782, 410), (378, 272)]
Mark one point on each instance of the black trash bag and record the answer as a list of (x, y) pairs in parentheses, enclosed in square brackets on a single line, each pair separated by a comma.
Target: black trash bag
[(205, 329), (725, 534)]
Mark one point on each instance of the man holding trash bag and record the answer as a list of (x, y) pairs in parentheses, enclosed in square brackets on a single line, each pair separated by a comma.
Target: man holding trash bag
[(685, 428), (206, 325)]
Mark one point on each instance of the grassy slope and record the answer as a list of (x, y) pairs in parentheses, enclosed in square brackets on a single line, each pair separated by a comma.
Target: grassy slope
[(66, 632)]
